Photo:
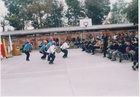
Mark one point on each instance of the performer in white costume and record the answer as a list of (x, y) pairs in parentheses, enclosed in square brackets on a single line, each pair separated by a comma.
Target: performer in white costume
[(64, 48)]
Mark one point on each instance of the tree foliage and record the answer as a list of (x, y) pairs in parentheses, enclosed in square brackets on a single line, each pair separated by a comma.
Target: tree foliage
[(17, 10), (132, 12), (97, 10), (74, 12), (38, 11), (117, 14), (54, 19)]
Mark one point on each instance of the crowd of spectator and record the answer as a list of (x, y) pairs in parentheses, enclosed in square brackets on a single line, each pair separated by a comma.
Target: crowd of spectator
[(123, 46)]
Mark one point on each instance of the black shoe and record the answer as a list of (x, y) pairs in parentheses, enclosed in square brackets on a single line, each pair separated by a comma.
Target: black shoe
[(42, 58), (109, 57), (133, 68), (27, 60), (120, 60), (51, 63), (113, 59), (134, 63)]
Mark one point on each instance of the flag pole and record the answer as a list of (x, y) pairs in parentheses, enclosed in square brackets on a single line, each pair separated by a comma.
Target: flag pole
[(10, 48)]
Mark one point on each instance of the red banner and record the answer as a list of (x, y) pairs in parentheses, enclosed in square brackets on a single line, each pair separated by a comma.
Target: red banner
[(3, 51)]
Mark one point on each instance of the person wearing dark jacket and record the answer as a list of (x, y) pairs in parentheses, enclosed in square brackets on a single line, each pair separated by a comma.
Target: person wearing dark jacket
[(84, 46), (88, 45), (120, 50), (134, 45), (105, 44), (113, 47), (136, 59)]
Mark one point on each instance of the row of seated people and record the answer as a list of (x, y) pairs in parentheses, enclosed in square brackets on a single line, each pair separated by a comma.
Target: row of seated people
[(119, 48), (122, 49), (91, 45)]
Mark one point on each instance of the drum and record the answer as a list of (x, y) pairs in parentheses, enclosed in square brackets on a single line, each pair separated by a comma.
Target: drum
[(58, 50), (72, 45)]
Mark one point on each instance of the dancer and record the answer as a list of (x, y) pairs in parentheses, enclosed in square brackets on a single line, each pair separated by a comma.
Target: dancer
[(43, 50), (51, 52), (27, 48), (64, 48), (48, 46)]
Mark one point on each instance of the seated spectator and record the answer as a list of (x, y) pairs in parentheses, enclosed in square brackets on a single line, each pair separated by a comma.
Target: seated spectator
[(84, 45), (88, 46), (134, 45), (97, 44), (128, 48), (111, 49), (120, 50)]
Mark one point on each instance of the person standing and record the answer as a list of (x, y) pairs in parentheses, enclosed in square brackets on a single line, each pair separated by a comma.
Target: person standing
[(136, 59), (105, 44), (51, 52), (64, 49), (27, 48)]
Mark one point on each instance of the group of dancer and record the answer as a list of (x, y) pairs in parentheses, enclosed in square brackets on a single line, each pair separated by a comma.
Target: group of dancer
[(47, 49)]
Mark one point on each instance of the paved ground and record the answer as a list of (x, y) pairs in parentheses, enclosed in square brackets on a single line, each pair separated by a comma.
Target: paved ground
[(81, 74)]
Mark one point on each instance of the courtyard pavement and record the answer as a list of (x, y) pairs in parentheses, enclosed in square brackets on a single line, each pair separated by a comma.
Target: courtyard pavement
[(81, 74)]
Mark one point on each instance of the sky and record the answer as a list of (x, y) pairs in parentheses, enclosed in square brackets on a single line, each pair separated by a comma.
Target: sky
[(3, 10), (113, 1)]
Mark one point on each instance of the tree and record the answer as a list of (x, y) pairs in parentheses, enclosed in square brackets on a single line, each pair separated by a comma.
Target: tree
[(54, 19), (97, 10), (37, 10), (74, 12), (17, 12), (132, 12), (117, 14)]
